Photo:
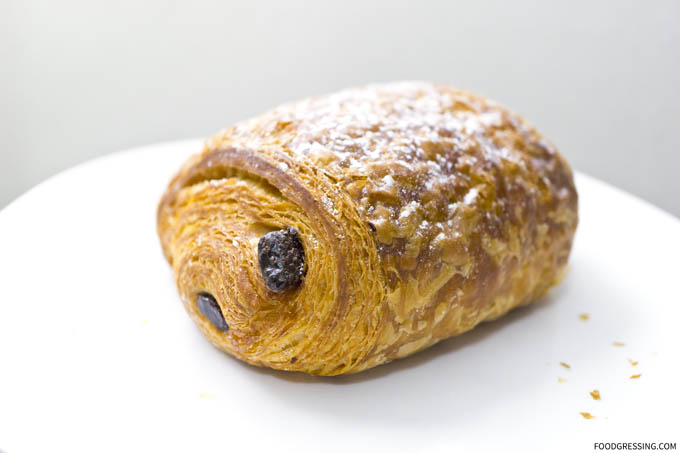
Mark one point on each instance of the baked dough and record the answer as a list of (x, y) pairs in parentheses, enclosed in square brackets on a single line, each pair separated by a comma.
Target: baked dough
[(422, 211)]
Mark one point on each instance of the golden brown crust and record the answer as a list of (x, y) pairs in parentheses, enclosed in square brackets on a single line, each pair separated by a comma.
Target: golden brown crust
[(423, 210)]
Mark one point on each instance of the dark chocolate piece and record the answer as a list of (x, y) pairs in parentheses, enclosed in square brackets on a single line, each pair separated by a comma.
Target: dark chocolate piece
[(282, 259), (209, 307)]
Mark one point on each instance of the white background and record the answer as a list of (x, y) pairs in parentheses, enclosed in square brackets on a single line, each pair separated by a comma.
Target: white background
[(83, 78), (97, 353)]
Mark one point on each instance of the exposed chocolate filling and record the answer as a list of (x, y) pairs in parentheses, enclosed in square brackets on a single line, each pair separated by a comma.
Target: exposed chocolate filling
[(209, 307), (282, 259)]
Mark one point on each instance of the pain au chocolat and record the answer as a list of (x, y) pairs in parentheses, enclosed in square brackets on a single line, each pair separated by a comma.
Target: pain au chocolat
[(337, 233)]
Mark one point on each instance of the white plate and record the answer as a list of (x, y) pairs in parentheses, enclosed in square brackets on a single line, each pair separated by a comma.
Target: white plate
[(97, 354)]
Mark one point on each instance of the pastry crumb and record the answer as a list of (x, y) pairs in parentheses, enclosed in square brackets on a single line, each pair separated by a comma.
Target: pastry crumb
[(587, 415), (559, 379), (584, 316), (636, 376), (566, 365), (619, 343), (595, 394), (633, 362)]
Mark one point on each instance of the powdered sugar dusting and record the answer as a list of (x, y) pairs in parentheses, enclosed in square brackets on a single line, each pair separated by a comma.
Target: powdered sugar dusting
[(410, 154), (471, 196)]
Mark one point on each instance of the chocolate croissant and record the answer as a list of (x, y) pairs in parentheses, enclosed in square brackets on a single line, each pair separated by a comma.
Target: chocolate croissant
[(337, 233)]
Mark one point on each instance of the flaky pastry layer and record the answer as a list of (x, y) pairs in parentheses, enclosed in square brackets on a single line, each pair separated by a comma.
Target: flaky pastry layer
[(423, 210)]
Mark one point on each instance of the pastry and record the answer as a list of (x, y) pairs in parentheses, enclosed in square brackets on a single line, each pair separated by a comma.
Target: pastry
[(337, 233)]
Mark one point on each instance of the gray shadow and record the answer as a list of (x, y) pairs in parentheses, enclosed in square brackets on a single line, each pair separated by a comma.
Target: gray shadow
[(461, 377)]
